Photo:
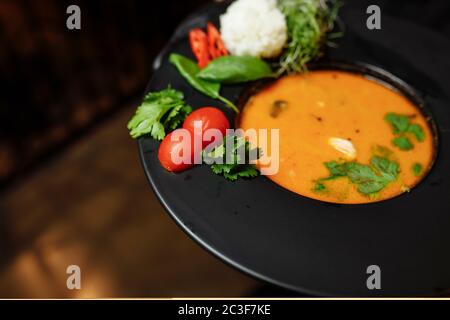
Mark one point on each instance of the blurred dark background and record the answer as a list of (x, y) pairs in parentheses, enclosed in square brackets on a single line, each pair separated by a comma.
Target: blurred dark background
[(72, 190), (72, 187), (56, 82)]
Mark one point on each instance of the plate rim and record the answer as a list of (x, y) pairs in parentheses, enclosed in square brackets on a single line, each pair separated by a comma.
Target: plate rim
[(229, 261)]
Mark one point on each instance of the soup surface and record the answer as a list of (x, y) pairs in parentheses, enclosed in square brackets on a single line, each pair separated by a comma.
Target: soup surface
[(343, 138)]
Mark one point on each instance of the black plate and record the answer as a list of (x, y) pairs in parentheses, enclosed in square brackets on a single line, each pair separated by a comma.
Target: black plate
[(311, 246)]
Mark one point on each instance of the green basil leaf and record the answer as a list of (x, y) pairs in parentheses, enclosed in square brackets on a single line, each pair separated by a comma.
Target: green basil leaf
[(235, 69), (189, 70)]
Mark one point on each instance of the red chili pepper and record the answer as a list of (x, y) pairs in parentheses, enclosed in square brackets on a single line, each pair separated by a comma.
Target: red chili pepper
[(199, 45), (216, 46)]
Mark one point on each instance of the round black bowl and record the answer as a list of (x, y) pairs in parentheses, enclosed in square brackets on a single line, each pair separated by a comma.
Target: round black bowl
[(310, 246)]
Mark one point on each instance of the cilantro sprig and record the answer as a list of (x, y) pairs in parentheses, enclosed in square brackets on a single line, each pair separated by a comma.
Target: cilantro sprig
[(401, 127), (159, 112), (233, 158), (403, 143), (369, 179)]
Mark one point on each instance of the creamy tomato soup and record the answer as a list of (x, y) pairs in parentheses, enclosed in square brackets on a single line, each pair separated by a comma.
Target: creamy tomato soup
[(343, 138)]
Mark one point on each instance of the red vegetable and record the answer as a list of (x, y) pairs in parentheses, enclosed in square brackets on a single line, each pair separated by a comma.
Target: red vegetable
[(211, 118), (207, 46), (171, 151), (199, 45), (216, 46)]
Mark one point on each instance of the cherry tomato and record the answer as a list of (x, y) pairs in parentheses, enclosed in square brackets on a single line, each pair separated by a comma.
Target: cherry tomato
[(172, 149), (199, 45), (211, 118), (216, 46)]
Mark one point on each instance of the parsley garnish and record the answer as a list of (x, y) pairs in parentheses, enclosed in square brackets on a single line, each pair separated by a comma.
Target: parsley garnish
[(239, 155), (160, 111), (369, 179), (401, 126)]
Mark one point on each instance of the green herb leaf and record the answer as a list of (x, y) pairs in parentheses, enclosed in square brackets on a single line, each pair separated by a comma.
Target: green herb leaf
[(399, 123), (336, 169), (417, 169), (319, 187), (235, 172), (189, 70), (176, 116), (235, 69), (387, 169), (373, 179), (403, 143), (237, 167), (308, 23), (160, 111), (369, 179), (417, 131), (365, 178)]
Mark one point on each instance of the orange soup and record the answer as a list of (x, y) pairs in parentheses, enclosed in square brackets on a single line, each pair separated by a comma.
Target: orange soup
[(343, 137)]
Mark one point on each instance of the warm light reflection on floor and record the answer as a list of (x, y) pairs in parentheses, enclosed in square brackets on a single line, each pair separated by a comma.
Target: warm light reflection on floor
[(92, 207)]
